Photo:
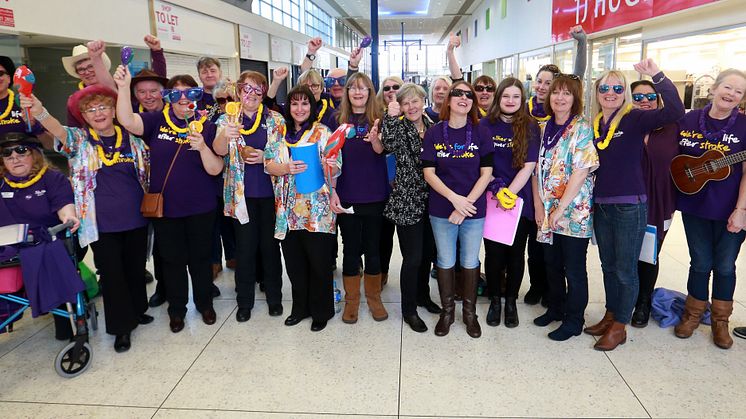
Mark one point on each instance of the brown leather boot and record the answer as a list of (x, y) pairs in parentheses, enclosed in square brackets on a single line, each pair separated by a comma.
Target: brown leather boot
[(384, 279), (352, 298), (373, 297), (471, 280), (458, 285), (446, 283), (721, 311), (615, 335), (600, 328), (693, 310)]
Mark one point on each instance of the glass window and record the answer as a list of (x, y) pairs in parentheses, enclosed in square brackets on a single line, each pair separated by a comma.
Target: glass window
[(436, 60), (628, 53), (530, 62), (564, 56), (318, 23), (506, 67), (602, 57), (284, 12)]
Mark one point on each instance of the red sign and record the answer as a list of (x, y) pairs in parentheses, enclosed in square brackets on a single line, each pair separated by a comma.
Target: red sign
[(6, 17), (599, 15)]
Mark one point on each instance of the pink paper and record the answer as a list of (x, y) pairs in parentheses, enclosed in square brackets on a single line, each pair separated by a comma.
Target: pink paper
[(500, 225)]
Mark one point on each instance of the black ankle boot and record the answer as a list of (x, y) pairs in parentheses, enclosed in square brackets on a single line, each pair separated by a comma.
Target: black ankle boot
[(511, 313), (493, 315), (641, 316)]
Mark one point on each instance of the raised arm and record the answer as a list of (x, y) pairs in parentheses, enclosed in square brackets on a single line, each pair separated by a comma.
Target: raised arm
[(50, 123), (674, 108), (131, 121), (157, 58), (314, 44), (453, 43), (581, 58), (353, 65), (95, 52), (279, 75)]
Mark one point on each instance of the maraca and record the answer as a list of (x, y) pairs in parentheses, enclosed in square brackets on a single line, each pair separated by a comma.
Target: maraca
[(126, 55), (24, 81), (365, 43)]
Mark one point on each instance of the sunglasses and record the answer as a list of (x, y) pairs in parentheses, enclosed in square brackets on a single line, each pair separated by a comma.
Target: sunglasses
[(173, 95), (604, 88), (638, 97), (21, 150), (329, 81), (247, 88), (458, 93), (392, 87), (480, 88), (221, 100)]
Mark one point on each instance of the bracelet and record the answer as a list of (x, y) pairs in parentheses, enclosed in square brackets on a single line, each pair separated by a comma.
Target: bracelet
[(663, 76), (355, 68), (43, 115)]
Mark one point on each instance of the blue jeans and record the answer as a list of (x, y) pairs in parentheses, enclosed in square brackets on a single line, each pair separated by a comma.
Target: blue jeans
[(712, 248), (468, 234), (567, 280), (620, 229)]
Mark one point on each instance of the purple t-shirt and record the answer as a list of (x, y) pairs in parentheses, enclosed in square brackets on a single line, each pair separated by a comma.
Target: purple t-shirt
[(619, 174), (363, 179), (503, 170), (14, 122), (118, 191), (717, 199), (458, 167), (190, 189), (434, 116), (38, 204), (207, 103), (257, 184)]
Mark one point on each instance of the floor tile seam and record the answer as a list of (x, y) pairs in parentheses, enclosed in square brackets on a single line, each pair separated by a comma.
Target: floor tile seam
[(79, 404), (281, 412), (196, 358), (24, 340), (607, 353), (401, 356)]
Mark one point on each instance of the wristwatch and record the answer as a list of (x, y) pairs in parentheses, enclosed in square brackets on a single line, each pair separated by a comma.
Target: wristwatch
[(311, 57)]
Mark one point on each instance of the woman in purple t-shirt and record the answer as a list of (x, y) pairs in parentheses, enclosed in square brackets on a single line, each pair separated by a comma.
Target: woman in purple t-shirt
[(715, 216), (457, 161), (620, 197), (363, 185), (248, 193), (108, 168), (661, 146), (184, 233), (515, 137)]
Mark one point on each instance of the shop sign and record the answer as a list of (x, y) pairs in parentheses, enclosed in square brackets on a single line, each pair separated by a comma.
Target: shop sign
[(599, 15), (6, 17), (167, 21), (245, 41)]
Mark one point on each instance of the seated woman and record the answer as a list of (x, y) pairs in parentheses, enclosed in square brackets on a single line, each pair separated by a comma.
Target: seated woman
[(109, 172), (37, 195)]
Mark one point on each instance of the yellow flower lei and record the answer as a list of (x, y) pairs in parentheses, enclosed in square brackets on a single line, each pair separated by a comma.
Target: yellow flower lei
[(173, 126), (531, 112), (28, 183), (81, 86), (612, 129), (324, 105), (482, 112), (11, 100), (256, 122), (99, 145)]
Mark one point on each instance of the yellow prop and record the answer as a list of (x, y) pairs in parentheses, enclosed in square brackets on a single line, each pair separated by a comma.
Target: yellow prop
[(196, 127), (506, 198)]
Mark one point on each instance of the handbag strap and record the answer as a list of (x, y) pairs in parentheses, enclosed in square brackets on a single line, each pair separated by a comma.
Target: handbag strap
[(170, 167)]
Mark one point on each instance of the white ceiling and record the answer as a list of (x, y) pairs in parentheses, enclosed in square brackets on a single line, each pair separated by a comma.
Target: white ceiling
[(430, 26)]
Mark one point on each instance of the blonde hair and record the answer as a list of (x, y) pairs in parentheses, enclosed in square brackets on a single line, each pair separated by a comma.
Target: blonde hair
[(311, 75), (372, 110), (596, 105), (410, 89), (445, 79), (379, 97)]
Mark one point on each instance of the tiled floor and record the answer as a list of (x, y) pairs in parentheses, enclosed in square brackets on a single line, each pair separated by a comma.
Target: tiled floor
[(263, 369)]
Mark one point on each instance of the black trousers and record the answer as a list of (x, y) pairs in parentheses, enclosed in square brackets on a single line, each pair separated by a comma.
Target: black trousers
[(120, 260), (499, 257), (648, 274), (254, 241), (537, 269), (223, 236), (387, 244), (308, 260), (361, 233), (417, 244), (160, 281), (186, 243)]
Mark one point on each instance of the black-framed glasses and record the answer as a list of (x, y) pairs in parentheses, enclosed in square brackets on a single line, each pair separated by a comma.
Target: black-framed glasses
[(395, 87), (21, 150), (638, 97), (481, 88), (604, 88), (329, 81), (221, 100), (314, 86), (459, 92), (173, 95), (87, 69)]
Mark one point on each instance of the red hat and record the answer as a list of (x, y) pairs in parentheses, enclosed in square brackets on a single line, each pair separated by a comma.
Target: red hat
[(74, 100)]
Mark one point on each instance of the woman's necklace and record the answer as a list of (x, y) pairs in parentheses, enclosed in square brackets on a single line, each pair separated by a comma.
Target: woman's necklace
[(21, 185), (601, 145), (468, 136), (539, 118), (173, 126), (548, 145), (257, 121), (324, 106), (11, 101), (81, 86), (703, 125), (100, 146)]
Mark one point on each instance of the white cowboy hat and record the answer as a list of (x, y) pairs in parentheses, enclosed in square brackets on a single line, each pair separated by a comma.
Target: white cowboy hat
[(80, 52)]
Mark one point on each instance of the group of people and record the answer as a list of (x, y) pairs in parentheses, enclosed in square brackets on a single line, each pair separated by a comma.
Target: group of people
[(186, 155)]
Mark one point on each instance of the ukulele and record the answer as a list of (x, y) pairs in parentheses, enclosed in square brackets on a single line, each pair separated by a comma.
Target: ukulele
[(690, 174)]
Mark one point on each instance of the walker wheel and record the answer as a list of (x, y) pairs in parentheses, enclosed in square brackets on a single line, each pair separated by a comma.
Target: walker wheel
[(67, 367)]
